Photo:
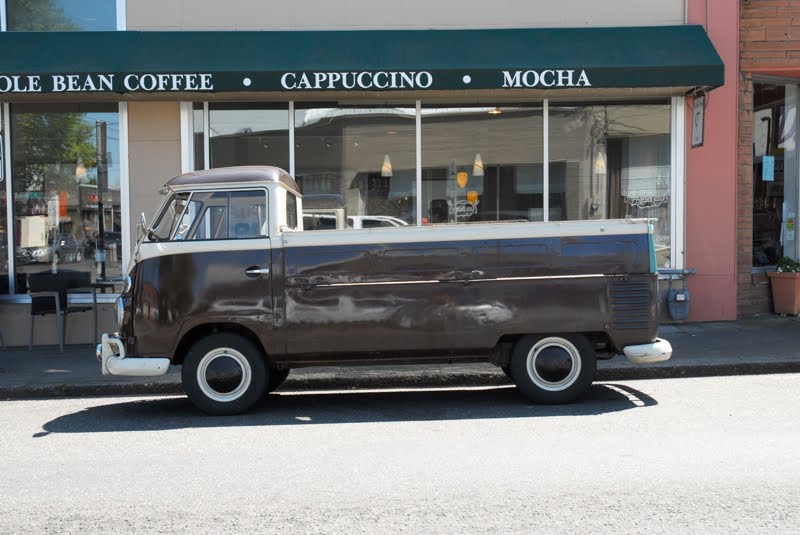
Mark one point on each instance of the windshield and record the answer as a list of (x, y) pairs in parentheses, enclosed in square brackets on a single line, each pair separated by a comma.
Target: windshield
[(164, 227)]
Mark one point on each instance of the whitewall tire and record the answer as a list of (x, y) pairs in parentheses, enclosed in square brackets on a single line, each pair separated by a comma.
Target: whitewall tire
[(224, 374), (553, 369)]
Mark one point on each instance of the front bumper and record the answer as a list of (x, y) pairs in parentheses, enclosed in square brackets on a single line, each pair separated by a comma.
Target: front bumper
[(657, 351), (111, 354)]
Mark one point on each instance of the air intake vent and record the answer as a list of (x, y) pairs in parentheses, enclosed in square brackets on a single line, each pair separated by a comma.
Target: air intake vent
[(630, 305)]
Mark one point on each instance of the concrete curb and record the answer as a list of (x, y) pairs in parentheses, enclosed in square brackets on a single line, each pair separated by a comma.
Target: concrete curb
[(349, 380)]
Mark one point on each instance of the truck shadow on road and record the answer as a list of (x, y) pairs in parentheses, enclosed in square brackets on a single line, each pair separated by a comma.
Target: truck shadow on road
[(337, 407)]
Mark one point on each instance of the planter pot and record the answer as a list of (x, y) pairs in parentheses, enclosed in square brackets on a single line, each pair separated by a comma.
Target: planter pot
[(785, 292)]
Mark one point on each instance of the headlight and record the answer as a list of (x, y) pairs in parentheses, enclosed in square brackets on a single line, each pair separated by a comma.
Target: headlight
[(126, 286), (120, 310)]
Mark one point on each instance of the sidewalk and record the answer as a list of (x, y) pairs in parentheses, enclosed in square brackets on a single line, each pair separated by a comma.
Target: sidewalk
[(765, 344)]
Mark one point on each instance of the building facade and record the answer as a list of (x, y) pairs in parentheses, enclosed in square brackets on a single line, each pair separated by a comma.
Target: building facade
[(403, 114)]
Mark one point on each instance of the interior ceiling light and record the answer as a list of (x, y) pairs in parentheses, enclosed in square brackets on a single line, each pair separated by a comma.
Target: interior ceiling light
[(386, 167), (495, 111)]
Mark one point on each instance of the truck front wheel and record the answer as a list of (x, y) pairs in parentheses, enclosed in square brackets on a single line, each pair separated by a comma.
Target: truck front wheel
[(553, 369), (224, 374)]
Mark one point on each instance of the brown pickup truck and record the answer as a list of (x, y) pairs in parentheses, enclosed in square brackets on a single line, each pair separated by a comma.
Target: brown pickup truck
[(226, 284)]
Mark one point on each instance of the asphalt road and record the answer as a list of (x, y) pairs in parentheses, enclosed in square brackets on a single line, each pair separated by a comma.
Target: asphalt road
[(702, 455)]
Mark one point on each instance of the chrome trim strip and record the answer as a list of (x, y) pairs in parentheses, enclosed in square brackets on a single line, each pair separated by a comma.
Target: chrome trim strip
[(449, 281), (545, 277), (343, 284)]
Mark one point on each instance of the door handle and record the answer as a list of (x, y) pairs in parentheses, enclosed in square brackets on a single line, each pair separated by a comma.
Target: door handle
[(255, 271)]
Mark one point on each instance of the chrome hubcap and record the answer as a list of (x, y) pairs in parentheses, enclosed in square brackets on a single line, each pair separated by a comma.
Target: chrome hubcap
[(224, 374), (553, 364)]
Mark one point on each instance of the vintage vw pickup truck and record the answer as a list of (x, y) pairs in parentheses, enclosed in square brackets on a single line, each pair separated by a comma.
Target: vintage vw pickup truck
[(226, 284)]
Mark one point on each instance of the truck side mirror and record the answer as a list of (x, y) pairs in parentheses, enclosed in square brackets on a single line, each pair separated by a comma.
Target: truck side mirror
[(143, 228)]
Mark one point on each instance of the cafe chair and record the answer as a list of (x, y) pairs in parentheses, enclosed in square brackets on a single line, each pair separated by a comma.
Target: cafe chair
[(50, 295)]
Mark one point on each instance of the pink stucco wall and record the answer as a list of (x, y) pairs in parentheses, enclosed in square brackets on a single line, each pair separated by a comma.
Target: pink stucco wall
[(711, 175)]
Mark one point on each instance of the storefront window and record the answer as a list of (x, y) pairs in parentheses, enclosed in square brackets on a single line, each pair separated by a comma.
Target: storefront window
[(248, 134), (775, 172), (356, 166), (61, 15), (482, 164), (612, 162), (361, 159), (63, 185)]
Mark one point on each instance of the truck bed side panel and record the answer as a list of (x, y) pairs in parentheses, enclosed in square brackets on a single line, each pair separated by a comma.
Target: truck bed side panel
[(440, 297)]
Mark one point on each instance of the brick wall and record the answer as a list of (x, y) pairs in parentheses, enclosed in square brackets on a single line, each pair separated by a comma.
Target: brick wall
[(769, 43), (769, 33)]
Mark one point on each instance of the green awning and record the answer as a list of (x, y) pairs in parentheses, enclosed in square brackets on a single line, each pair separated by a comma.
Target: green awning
[(369, 60)]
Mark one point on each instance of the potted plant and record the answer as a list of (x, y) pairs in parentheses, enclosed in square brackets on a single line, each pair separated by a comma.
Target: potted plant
[(785, 282)]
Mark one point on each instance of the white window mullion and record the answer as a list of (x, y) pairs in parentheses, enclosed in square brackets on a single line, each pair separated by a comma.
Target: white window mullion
[(546, 161), (678, 182), (9, 215), (418, 165), (187, 137), (206, 137), (292, 152), (122, 19), (124, 186)]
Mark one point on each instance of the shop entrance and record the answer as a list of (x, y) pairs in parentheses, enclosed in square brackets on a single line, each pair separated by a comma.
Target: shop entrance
[(775, 172)]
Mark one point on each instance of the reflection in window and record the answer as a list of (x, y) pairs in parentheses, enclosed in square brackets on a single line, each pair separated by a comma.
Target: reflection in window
[(246, 134), (61, 15), (57, 196), (482, 164), (612, 162), (364, 157)]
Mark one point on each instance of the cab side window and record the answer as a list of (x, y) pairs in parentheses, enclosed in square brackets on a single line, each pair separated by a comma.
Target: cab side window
[(223, 215), (291, 210)]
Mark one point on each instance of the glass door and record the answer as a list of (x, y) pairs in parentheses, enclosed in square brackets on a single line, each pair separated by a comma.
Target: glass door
[(775, 172)]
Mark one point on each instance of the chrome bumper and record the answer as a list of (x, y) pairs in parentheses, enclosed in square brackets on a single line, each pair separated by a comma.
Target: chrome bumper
[(111, 353), (657, 351)]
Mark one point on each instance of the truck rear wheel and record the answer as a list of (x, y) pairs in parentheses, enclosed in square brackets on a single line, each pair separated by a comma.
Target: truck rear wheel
[(553, 369), (224, 374)]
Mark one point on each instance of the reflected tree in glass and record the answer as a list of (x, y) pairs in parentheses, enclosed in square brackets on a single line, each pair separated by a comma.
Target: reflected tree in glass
[(37, 16), (50, 147), (61, 15)]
